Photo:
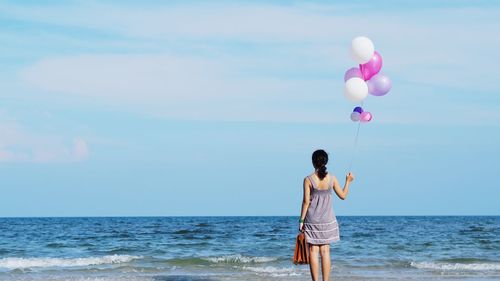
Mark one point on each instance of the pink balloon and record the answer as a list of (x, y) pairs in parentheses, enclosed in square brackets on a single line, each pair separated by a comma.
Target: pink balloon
[(353, 72), (365, 116), (372, 67)]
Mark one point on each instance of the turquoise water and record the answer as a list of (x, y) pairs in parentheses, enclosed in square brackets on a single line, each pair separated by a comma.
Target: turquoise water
[(245, 248)]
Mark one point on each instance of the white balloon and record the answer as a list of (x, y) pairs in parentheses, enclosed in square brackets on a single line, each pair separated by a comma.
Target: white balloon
[(356, 89), (362, 49)]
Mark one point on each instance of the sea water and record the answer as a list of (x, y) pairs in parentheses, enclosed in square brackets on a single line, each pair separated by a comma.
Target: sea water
[(246, 248)]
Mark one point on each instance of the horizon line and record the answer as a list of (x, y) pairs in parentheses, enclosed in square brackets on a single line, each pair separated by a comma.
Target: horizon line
[(207, 216)]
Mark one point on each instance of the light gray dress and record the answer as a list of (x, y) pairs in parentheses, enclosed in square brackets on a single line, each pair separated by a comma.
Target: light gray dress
[(320, 223)]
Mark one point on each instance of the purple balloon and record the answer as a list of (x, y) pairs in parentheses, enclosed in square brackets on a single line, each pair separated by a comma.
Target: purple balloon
[(358, 109), (372, 67), (379, 85), (353, 72)]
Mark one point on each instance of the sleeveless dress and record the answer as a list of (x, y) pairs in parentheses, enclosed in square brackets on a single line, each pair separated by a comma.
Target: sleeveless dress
[(320, 223)]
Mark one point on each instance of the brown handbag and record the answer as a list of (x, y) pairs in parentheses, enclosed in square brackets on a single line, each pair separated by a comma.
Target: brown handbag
[(301, 253)]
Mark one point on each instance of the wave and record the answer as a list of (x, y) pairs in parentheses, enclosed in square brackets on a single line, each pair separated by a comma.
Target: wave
[(99, 278), (56, 245), (239, 259), (227, 259), (184, 231), (21, 263), (446, 266), (273, 271)]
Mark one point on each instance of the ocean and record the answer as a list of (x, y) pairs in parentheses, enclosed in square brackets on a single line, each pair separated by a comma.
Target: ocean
[(246, 248)]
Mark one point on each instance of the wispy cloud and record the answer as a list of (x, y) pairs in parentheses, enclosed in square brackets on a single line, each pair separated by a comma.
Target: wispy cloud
[(18, 144), (80, 149), (256, 61), (176, 87)]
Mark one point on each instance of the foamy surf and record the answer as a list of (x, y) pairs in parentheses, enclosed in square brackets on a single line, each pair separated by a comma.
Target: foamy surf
[(239, 259), (456, 266), (274, 271), (22, 263)]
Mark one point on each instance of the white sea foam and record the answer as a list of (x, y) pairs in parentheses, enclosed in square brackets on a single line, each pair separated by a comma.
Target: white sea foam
[(274, 271), (456, 266), (90, 278), (84, 278), (240, 259), (20, 263)]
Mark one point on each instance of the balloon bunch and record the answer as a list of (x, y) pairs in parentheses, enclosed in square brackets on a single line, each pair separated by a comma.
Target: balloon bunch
[(358, 114), (365, 79)]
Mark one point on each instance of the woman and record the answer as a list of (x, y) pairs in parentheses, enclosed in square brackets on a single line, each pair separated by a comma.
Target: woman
[(317, 219)]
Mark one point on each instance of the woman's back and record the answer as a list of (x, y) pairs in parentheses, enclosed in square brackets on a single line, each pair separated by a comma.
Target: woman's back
[(321, 184), (320, 224)]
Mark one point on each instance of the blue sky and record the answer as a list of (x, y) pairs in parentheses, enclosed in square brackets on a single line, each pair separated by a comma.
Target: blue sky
[(214, 108)]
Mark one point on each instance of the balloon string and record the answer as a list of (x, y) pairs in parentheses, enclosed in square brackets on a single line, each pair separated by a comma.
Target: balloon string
[(355, 144)]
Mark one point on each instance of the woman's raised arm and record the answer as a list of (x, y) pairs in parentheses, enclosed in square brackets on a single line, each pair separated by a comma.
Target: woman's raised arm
[(342, 193)]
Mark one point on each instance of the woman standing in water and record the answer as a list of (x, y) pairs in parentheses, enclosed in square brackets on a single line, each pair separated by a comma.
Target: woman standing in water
[(317, 220)]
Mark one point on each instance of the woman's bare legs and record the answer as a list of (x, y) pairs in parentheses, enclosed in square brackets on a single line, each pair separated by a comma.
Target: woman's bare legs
[(324, 251), (313, 261)]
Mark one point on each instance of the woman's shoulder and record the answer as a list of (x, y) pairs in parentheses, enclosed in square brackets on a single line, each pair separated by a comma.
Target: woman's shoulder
[(332, 177), (308, 179)]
